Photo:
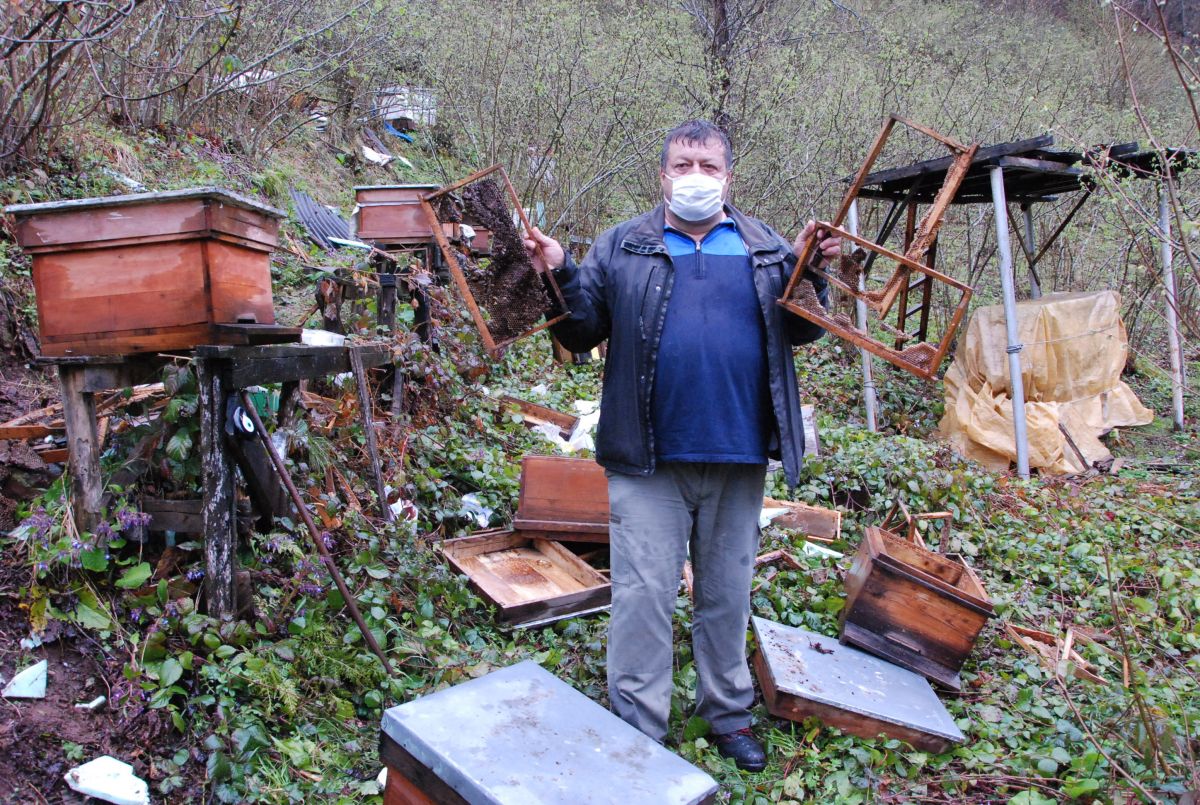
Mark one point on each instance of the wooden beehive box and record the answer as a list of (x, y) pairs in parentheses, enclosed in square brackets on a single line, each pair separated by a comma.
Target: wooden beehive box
[(392, 213), (521, 735), (524, 571), (919, 609), (150, 272), (563, 498), (530, 581), (803, 674)]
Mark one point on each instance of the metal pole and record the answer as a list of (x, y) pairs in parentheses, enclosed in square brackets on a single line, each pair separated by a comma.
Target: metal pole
[(860, 311), (1008, 291), (1168, 274), (1035, 288)]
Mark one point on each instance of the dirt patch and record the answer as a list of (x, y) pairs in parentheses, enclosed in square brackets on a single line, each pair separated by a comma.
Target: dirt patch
[(41, 739), (505, 286)]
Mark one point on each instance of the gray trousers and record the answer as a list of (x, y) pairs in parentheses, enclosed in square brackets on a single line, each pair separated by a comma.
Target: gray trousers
[(714, 509)]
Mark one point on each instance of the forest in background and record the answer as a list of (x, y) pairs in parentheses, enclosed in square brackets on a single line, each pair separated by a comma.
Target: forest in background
[(574, 98)]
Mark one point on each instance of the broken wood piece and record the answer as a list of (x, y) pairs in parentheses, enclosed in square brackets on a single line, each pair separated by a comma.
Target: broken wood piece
[(365, 404), (1057, 655), (534, 414), (781, 556), (816, 523)]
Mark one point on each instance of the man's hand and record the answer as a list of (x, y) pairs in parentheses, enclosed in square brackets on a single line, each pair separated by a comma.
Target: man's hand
[(830, 246), (545, 252)]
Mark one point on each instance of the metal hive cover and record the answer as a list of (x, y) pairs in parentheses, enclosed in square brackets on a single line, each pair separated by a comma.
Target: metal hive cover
[(520, 735), (820, 669)]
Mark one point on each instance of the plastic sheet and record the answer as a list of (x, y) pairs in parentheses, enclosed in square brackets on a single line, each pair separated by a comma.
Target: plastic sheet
[(1075, 347)]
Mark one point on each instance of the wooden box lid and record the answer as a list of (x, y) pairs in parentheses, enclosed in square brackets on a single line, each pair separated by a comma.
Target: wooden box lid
[(562, 494), (392, 193), (805, 674), (520, 735), (100, 222)]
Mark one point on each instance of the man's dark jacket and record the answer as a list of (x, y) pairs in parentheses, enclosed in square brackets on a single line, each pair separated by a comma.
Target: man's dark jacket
[(621, 293)]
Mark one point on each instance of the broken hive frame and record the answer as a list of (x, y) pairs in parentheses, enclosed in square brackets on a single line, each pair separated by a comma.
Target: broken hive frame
[(922, 358), (451, 257)]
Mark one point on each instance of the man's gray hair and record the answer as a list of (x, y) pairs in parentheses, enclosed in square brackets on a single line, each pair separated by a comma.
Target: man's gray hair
[(697, 132)]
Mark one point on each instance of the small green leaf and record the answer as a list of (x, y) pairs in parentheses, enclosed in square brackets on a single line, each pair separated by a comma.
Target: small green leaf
[(135, 576), (1077, 788), (696, 728), (170, 673), (94, 560)]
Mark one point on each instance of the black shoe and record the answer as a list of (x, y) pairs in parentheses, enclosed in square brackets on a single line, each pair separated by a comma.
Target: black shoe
[(743, 748)]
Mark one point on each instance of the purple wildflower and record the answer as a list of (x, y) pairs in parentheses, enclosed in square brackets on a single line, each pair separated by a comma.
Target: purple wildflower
[(195, 574), (130, 519), (105, 531), (328, 540)]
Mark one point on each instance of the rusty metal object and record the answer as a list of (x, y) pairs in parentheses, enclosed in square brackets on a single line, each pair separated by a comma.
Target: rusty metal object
[(326, 557), (920, 358), (440, 213)]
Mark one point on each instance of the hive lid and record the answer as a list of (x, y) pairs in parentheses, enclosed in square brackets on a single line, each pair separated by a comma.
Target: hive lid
[(358, 187), (215, 193), (820, 669), (520, 735)]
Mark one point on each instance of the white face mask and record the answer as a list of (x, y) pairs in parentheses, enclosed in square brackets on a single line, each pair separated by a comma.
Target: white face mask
[(696, 196)]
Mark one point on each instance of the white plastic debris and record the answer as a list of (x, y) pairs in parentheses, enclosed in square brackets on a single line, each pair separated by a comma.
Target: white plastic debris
[(373, 156), (589, 418), (381, 778), (539, 390), (473, 507), (404, 510), (468, 231), (29, 684), (29, 643), (767, 515), (109, 779), (321, 338), (812, 549), (93, 705)]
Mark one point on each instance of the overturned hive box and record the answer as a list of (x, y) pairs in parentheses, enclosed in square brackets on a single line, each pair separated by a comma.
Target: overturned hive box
[(804, 674), (392, 214), (913, 607), (524, 571), (151, 272), (520, 735)]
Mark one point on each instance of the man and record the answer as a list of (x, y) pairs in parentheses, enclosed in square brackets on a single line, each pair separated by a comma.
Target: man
[(699, 390)]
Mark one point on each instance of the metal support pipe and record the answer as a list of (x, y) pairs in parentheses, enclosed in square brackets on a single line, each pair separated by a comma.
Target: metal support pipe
[(1008, 291), (1168, 275), (860, 311), (1035, 287), (322, 549)]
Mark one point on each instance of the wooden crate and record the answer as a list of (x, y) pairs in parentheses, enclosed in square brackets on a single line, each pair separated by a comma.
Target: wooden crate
[(392, 213), (151, 272), (520, 735), (919, 609), (531, 581), (803, 675), (563, 498)]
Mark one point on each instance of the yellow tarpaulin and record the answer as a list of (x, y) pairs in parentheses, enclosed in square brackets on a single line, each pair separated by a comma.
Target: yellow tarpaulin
[(1075, 348)]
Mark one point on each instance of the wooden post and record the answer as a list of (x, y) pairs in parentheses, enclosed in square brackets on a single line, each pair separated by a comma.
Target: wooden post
[(1035, 287), (220, 536), (83, 443), (1168, 274), (368, 423)]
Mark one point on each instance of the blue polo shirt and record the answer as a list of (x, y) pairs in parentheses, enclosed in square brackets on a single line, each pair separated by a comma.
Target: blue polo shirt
[(711, 399)]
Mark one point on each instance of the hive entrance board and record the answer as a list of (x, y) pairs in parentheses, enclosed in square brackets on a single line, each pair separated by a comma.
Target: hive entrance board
[(520, 735), (916, 608), (886, 333), (506, 296), (805, 674), (530, 581)]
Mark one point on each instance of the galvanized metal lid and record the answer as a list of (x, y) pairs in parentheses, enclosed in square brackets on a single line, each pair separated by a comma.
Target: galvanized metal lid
[(214, 193), (520, 735), (820, 669)]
